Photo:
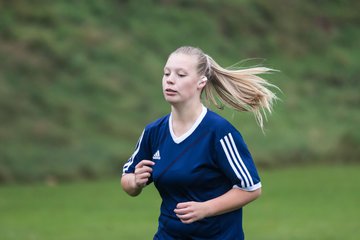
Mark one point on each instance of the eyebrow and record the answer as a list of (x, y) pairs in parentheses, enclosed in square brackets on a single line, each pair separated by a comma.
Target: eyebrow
[(176, 69)]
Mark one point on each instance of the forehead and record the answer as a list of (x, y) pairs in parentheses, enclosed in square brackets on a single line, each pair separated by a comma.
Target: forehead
[(182, 61)]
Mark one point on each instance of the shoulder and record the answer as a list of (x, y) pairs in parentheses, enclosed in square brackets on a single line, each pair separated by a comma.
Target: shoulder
[(221, 128), (217, 123), (158, 124)]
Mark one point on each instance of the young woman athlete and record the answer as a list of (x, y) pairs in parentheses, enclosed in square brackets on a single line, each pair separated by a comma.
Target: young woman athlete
[(197, 160)]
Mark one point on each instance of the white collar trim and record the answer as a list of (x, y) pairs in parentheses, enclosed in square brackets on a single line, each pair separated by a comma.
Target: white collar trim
[(190, 131)]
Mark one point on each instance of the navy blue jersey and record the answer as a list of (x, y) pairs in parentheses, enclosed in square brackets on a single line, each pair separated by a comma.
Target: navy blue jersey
[(204, 163)]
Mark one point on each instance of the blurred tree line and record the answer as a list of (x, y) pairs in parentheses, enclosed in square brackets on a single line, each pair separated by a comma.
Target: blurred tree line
[(80, 79)]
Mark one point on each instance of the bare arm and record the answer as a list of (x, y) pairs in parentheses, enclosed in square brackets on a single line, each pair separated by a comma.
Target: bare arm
[(234, 199), (133, 183)]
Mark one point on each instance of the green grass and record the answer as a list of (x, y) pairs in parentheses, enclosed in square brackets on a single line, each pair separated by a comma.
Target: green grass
[(307, 203), (297, 203)]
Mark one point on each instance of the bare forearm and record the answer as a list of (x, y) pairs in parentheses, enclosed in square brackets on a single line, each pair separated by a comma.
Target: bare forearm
[(234, 199), (129, 185), (230, 201), (133, 183)]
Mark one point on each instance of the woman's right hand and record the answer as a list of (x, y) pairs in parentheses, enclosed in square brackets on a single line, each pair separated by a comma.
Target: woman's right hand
[(142, 172)]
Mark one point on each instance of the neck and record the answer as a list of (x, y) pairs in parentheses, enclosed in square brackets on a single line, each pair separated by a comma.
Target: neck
[(186, 113), (184, 117)]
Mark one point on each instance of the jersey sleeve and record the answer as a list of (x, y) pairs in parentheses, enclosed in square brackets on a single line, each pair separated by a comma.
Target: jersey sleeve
[(142, 151), (236, 162)]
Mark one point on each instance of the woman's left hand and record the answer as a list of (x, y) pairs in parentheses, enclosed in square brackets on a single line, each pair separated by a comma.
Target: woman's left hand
[(189, 212)]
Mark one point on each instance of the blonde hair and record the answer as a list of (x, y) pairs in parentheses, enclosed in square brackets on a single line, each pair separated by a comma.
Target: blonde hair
[(239, 89)]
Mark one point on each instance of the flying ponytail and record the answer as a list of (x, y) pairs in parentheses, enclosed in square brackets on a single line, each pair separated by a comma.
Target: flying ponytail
[(239, 89)]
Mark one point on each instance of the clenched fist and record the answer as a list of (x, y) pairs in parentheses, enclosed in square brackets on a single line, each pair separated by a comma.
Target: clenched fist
[(142, 172)]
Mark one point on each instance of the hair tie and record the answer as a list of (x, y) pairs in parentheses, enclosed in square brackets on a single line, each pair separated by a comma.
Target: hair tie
[(208, 65)]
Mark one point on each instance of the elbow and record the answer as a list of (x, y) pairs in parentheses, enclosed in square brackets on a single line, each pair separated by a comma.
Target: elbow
[(257, 193), (260, 192)]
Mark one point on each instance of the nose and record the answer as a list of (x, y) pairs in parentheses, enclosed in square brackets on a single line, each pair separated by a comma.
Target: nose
[(170, 79)]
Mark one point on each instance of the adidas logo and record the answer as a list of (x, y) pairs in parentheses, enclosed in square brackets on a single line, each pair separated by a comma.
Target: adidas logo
[(157, 155)]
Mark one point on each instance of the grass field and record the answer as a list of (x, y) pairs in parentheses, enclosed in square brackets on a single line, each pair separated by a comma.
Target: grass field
[(302, 203)]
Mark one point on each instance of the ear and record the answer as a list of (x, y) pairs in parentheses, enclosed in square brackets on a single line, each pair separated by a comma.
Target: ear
[(203, 79), (202, 82)]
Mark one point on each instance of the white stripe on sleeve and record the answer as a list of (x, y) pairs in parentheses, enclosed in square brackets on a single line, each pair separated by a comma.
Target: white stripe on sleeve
[(131, 159), (236, 162), (231, 162), (241, 161)]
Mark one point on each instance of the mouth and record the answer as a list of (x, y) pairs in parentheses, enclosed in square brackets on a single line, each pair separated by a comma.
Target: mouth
[(169, 90)]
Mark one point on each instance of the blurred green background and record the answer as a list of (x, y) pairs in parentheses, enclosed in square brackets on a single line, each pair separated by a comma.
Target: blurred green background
[(79, 80)]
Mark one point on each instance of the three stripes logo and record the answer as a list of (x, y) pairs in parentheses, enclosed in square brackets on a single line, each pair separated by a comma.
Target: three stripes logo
[(235, 161), (156, 155)]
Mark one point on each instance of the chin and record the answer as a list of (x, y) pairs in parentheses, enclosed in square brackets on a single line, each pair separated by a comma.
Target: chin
[(171, 100)]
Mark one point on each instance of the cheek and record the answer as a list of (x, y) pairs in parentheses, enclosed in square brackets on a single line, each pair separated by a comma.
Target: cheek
[(191, 86), (188, 89)]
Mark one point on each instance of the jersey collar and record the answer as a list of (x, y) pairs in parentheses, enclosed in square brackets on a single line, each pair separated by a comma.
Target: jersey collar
[(191, 130)]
